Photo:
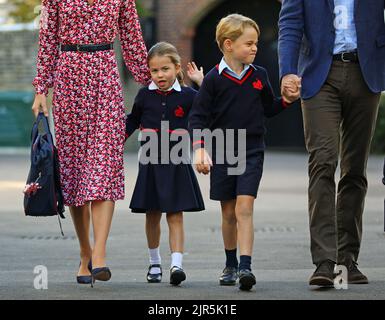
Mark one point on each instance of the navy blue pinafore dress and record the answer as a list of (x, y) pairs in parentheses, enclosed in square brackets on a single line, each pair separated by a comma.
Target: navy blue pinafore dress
[(164, 187)]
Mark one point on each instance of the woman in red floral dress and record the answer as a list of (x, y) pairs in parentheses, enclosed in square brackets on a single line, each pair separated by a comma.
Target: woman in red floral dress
[(89, 110)]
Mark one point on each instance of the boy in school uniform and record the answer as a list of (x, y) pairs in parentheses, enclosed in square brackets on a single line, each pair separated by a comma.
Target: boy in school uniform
[(236, 95)]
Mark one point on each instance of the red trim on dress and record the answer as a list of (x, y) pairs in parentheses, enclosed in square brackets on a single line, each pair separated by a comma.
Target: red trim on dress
[(178, 131), (149, 130), (169, 131), (198, 142), (164, 93)]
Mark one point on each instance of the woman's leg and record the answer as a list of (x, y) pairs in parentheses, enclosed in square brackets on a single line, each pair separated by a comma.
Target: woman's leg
[(81, 219), (102, 212)]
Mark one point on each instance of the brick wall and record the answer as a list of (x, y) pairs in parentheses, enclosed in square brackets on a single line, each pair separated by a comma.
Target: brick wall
[(176, 21), (17, 59)]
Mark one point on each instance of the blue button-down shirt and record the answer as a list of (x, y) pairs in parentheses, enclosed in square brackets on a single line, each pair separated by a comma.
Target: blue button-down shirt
[(223, 65), (345, 28)]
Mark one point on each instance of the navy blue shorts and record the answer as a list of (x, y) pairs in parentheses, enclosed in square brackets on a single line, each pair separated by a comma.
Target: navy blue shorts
[(227, 187)]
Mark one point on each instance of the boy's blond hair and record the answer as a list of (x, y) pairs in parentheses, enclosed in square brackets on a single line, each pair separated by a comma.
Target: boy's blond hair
[(232, 27)]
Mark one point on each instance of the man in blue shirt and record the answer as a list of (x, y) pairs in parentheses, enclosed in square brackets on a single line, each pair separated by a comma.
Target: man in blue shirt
[(345, 27), (337, 48)]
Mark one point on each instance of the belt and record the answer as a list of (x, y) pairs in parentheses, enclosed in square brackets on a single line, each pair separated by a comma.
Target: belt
[(86, 47), (346, 56)]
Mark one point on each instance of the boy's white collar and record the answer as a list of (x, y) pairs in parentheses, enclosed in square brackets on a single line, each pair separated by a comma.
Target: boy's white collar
[(223, 65), (176, 86)]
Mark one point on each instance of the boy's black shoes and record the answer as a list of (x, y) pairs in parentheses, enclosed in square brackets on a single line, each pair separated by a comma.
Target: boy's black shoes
[(177, 275), (154, 277), (228, 277), (246, 279), (323, 276)]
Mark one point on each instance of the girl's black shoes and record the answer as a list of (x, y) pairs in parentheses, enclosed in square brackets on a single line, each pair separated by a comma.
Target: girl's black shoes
[(177, 275), (154, 277)]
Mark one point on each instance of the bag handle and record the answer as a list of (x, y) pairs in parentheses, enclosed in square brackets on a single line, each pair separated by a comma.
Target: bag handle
[(35, 128), (35, 134)]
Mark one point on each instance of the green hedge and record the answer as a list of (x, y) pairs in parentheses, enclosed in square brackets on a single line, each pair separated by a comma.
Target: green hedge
[(378, 143)]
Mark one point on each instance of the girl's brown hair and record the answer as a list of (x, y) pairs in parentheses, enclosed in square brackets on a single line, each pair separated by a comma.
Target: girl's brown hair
[(165, 49)]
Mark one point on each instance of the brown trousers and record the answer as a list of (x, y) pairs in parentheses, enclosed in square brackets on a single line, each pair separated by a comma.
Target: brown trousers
[(339, 122)]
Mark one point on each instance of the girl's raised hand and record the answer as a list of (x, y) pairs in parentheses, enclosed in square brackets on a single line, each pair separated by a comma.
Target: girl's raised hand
[(194, 73)]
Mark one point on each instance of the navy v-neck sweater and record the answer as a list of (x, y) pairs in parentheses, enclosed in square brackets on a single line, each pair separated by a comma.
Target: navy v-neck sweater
[(224, 102)]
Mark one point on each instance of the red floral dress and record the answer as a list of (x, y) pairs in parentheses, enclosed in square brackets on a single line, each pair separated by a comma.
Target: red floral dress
[(87, 99)]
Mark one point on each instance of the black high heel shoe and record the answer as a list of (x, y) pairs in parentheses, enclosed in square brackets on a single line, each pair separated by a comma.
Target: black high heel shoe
[(154, 277), (101, 274), (85, 279)]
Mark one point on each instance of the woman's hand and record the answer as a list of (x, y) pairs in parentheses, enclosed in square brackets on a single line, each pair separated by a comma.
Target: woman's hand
[(194, 73), (40, 101), (203, 161)]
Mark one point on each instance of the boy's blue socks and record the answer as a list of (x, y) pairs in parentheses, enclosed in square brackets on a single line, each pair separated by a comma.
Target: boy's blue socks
[(231, 258), (245, 263)]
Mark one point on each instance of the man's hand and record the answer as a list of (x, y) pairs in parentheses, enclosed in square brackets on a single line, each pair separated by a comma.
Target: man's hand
[(194, 73), (40, 104), (290, 88), (202, 161)]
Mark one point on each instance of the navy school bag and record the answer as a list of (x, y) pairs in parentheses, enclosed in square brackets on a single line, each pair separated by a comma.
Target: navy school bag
[(42, 194)]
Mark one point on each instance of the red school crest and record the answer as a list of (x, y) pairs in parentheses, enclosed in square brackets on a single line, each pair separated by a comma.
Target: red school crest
[(258, 85), (179, 112)]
